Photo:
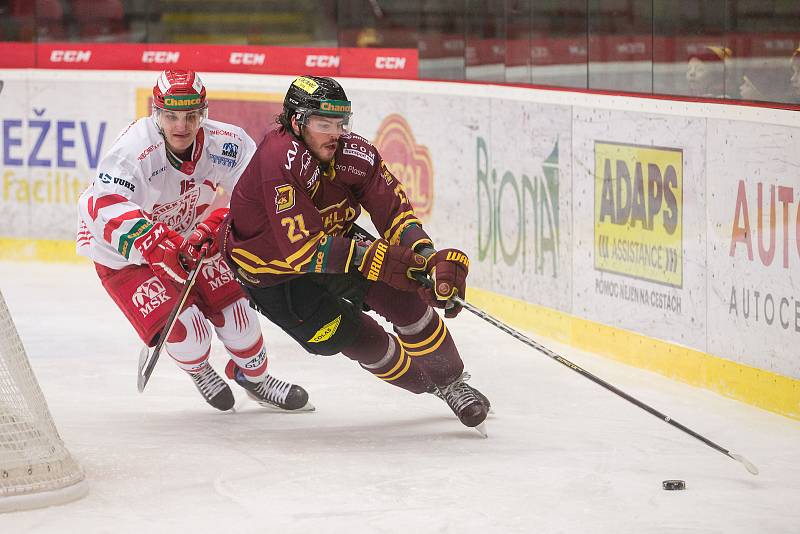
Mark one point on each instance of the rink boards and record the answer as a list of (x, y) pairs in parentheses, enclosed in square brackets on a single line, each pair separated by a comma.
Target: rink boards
[(662, 233)]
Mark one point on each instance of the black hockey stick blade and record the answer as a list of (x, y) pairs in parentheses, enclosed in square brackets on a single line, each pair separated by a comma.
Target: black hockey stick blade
[(148, 360)]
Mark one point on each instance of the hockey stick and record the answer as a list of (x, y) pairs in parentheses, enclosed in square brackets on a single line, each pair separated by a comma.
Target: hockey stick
[(147, 360), (425, 281)]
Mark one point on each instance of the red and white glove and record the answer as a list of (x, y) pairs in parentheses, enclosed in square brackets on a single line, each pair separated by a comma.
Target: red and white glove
[(393, 265), (205, 232), (448, 268), (161, 248)]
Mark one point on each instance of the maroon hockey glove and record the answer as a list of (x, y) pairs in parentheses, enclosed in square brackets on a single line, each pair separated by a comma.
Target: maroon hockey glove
[(205, 232), (161, 250), (448, 268), (392, 264)]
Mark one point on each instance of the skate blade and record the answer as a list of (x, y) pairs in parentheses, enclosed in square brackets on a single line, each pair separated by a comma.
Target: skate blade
[(481, 428), (308, 407)]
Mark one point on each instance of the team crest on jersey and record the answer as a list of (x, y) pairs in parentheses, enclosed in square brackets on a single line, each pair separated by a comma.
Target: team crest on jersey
[(149, 296), (178, 215), (217, 273), (284, 198)]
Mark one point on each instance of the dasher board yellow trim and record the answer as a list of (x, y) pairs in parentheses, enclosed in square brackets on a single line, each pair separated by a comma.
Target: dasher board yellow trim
[(46, 250), (764, 389)]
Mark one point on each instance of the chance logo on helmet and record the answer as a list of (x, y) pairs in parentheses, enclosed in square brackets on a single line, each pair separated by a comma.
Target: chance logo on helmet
[(179, 90)]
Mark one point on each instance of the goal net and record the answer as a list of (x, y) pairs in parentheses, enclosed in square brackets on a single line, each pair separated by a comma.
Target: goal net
[(36, 469)]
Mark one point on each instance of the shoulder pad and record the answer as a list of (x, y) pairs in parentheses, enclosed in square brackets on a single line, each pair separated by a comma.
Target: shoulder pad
[(355, 150)]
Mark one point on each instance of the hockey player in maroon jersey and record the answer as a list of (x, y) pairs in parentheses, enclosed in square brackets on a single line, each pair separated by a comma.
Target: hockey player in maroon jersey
[(143, 221), (291, 240)]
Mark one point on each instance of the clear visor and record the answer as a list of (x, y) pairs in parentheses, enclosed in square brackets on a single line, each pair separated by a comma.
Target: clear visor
[(191, 119), (324, 124)]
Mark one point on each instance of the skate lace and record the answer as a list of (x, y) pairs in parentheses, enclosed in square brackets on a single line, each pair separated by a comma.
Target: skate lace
[(273, 390), (208, 382), (458, 394)]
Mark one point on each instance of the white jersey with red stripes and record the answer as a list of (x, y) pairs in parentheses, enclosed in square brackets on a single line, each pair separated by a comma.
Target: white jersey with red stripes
[(140, 182)]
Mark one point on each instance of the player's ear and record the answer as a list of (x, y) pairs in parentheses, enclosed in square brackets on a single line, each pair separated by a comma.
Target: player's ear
[(295, 126)]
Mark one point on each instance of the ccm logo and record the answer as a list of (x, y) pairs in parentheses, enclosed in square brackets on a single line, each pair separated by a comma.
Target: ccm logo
[(322, 61), (160, 56), (70, 56), (390, 63), (247, 58)]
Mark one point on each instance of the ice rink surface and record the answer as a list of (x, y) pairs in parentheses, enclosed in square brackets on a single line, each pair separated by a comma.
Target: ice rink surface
[(563, 455)]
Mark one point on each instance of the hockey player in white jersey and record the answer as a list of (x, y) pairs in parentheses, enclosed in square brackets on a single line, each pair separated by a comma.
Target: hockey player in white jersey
[(154, 203)]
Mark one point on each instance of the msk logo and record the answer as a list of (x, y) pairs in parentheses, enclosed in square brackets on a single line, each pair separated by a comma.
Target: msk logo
[(246, 58), (217, 273), (390, 63), (160, 56), (284, 198), (70, 56), (149, 296), (230, 150), (322, 61)]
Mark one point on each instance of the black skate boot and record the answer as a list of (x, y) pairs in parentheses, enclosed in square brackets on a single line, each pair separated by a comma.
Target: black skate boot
[(470, 405), (213, 388), (272, 392)]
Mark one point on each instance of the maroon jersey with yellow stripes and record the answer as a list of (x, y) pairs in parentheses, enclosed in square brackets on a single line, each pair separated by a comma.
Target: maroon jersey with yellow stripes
[(290, 215)]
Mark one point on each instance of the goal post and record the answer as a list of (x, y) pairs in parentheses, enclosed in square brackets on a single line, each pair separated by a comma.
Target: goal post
[(36, 469)]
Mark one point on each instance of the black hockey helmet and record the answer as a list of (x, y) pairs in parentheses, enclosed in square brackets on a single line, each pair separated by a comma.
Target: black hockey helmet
[(315, 95), (323, 96)]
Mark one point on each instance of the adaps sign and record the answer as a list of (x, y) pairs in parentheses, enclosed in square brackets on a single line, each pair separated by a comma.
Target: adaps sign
[(638, 215), (409, 162)]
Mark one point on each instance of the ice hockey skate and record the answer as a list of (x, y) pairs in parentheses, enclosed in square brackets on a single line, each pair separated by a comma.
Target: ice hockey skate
[(272, 392), (213, 388), (470, 405)]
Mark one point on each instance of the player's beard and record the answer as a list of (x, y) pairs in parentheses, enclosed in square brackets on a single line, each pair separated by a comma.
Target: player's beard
[(322, 151)]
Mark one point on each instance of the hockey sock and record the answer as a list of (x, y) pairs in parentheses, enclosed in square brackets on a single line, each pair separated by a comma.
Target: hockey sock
[(238, 329), (189, 343), (381, 354), (428, 342)]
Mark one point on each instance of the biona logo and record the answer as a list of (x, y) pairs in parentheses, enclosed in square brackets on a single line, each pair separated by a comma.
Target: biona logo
[(409, 162)]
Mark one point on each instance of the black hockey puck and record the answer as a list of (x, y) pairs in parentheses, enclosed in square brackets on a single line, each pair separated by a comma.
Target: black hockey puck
[(673, 485)]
